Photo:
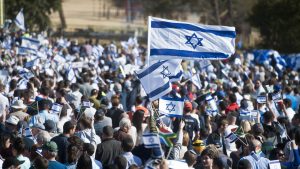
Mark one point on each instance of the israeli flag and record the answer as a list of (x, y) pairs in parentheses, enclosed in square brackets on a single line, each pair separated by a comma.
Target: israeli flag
[(212, 105), (19, 21), (171, 106), (196, 81), (245, 115), (156, 78), (168, 39), (30, 44), (151, 140), (56, 108), (261, 99), (276, 97), (32, 63), (71, 75), (231, 137)]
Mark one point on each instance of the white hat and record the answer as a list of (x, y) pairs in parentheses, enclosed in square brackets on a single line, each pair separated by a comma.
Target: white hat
[(90, 112), (12, 120), (18, 104)]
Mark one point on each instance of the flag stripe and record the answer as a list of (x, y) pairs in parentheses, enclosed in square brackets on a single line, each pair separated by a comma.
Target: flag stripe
[(164, 24), (150, 69), (185, 53), (161, 91)]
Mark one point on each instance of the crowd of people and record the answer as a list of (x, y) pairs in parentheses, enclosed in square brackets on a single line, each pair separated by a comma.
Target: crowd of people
[(80, 106)]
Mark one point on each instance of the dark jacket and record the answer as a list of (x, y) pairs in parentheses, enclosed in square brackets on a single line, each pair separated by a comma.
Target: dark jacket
[(108, 150), (115, 115), (62, 145)]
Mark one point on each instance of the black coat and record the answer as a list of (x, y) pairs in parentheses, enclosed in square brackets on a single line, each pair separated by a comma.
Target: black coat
[(108, 150)]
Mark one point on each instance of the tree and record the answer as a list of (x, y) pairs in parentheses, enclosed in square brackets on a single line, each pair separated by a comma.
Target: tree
[(36, 12), (279, 24)]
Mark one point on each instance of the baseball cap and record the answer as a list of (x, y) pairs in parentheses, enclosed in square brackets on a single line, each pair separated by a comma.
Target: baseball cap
[(11, 161), (50, 146), (188, 106)]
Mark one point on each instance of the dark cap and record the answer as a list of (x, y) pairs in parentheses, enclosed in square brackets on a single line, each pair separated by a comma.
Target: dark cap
[(11, 161), (50, 146), (50, 126)]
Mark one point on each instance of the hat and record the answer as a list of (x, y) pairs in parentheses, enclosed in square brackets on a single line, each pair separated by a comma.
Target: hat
[(50, 146), (257, 128), (18, 104), (50, 126), (11, 161), (199, 146), (188, 106), (12, 120), (90, 112), (39, 126)]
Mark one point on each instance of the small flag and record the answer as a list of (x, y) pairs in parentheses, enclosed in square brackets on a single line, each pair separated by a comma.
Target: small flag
[(56, 108), (276, 97), (30, 43), (71, 75), (165, 138), (231, 137), (261, 99), (171, 106), (22, 84), (19, 21), (170, 39), (151, 140), (196, 81), (240, 132), (212, 105), (245, 115), (86, 104), (275, 164), (29, 135), (32, 63)]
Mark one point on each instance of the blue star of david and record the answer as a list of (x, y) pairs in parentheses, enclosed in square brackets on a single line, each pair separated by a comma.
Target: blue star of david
[(193, 40), (151, 140), (170, 107), (165, 72)]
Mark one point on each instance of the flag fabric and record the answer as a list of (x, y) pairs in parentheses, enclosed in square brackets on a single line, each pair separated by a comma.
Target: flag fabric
[(30, 44), (171, 106), (165, 138), (245, 115), (196, 81), (22, 84), (151, 140), (19, 21), (168, 39), (56, 108), (212, 105), (156, 78), (32, 63), (276, 97), (232, 137), (261, 99), (29, 135), (71, 75)]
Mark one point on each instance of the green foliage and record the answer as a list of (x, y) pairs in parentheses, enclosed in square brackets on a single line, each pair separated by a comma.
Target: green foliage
[(279, 24), (36, 12)]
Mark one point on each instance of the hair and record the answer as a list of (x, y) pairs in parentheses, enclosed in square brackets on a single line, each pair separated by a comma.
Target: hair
[(115, 101), (43, 137), (84, 162), (127, 144), (69, 125), (40, 163), (221, 121), (268, 116), (244, 164), (108, 131), (232, 98), (85, 122), (19, 145), (287, 102), (89, 148), (97, 114), (121, 162), (219, 163), (211, 151), (124, 123), (297, 136), (190, 158), (72, 154), (139, 100), (44, 104), (94, 92), (137, 120)]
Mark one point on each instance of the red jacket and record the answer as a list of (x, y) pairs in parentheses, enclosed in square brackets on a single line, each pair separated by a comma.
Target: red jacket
[(232, 107)]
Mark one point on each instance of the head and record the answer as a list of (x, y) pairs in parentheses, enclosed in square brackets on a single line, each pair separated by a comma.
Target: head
[(255, 145), (232, 98), (69, 127), (49, 150), (222, 125), (115, 101), (127, 144), (188, 107), (85, 123), (18, 147), (125, 125), (296, 120), (94, 92), (40, 163), (244, 164), (137, 120), (268, 117), (121, 162), (231, 117), (73, 153), (190, 157), (12, 163), (44, 104), (287, 103), (84, 162), (108, 132), (100, 113), (88, 148), (207, 157)]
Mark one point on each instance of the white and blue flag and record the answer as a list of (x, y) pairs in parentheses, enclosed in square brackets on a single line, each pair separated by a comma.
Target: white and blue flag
[(19, 21), (232, 137), (29, 45), (71, 74), (32, 63), (171, 106), (156, 78), (168, 39), (151, 140), (212, 107)]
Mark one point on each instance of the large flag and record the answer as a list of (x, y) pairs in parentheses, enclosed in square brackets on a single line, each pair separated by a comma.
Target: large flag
[(151, 140), (168, 39), (171, 106), (19, 21), (29, 45), (156, 78)]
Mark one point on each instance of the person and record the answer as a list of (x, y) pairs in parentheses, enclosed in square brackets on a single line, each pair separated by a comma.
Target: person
[(206, 158), (84, 162), (191, 124), (18, 148), (62, 140), (287, 109), (255, 157), (19, 110), (244, 164), (127, 146), (101, 121), (43, 115), (123, 131), (49, 151), (121, 162), (90, 150), (190, 158), (217, 137), (109, 149), (138, 123), (39, 163), (115, 113), (93, 99), (12, 163)]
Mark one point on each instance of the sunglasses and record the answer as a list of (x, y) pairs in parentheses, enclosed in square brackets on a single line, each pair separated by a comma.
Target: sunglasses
[(280, 154)]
